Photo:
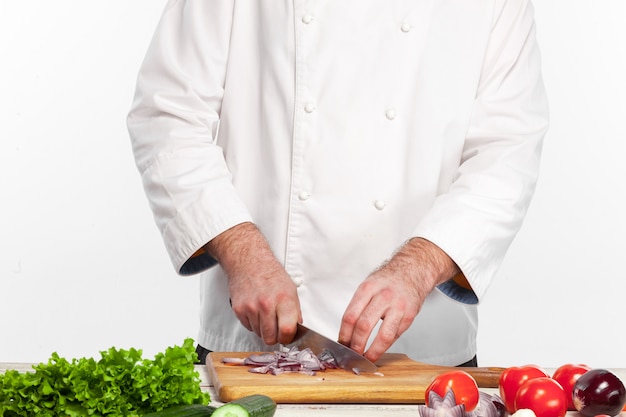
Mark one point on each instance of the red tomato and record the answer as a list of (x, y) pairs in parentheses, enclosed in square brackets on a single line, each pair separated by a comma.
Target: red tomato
[(462, 384), (512, 379), (566, 375), (544, 396)]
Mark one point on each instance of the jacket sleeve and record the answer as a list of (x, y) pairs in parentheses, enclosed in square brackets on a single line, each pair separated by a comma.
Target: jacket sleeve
[(475, 220), (173, 123)]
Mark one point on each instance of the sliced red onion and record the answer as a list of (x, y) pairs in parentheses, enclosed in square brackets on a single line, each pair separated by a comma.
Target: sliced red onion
[(234, 361), (292, 360), (488, 406), (442, 407), (262, 358)]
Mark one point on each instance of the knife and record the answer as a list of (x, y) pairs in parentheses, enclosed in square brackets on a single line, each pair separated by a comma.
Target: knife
[(346, 358)]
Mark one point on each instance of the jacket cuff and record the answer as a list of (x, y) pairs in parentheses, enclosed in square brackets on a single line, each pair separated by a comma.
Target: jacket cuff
[(458, 293), (197, 264)]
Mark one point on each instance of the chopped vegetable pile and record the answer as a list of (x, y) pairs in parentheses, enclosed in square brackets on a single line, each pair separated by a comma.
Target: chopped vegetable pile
[(288, 360), (121, 383)]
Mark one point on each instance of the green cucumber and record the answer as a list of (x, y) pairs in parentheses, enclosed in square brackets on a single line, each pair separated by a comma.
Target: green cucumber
[(189, 410), (256, 405)]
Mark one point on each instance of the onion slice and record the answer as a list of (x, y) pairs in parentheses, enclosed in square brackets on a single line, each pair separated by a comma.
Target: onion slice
[(488, 406), (290, 360)]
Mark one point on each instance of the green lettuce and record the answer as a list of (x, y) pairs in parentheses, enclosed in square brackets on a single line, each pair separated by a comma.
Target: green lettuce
[(121, 383)]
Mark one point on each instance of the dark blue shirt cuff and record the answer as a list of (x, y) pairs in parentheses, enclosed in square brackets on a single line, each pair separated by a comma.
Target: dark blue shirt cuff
[(458, 293), (197, 264)]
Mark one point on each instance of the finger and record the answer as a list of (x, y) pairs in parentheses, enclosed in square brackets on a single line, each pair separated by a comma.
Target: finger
[(252, 321), (380, 306), (362, 332), (246, 324), (352, 315), (268, 325), (388, 332), (289, 314), (247, 319), (269, 333)]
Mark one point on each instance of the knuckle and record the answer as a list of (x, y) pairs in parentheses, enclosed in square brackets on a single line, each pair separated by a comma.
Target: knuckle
[(368, 285), (387, 338), (363, 326), (265, 304), (239, 310), (350, 318), (406, 322)]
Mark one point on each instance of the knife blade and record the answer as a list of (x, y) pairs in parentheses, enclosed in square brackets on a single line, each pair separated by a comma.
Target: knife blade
[(346, 358)]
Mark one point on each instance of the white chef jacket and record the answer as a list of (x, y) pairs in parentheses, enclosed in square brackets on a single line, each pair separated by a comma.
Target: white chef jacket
[(342, 129)]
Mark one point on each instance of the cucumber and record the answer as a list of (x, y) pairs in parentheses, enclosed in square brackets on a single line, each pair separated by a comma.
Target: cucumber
[(189, 410), (251, 406)]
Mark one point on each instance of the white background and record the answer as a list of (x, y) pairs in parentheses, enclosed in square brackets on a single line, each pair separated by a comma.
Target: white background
[(82, 267)]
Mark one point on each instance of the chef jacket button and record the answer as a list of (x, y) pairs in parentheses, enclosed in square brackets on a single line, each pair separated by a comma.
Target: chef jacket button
[(390, 114), (298, 280), (303, 196), (307, 18), (406, 27), (379, 204), (309, 107)]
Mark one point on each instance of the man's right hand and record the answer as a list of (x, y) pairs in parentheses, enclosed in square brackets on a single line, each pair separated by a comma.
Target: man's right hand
[(263, 296)]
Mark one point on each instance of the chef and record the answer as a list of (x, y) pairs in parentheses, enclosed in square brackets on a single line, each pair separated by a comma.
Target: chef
[(361, 166)]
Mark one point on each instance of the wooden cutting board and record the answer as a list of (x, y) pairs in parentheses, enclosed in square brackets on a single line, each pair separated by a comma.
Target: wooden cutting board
[(399, 380)]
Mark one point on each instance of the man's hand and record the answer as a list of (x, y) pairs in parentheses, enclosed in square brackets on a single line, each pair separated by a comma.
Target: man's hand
[(263, 296), (394, 293)]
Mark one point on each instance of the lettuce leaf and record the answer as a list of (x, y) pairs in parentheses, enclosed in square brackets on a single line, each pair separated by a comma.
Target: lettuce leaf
[(121, 383)]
